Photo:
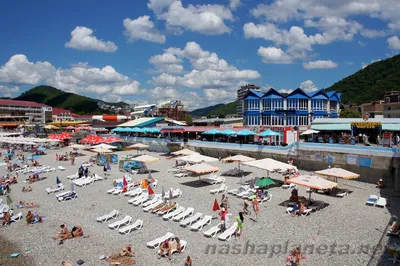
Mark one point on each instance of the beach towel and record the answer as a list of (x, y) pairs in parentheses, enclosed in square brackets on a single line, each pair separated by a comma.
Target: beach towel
[(14, 255)]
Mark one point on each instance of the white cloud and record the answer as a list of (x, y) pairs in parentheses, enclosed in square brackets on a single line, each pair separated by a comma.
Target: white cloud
[(167, 62), (82, 39), (370, 33), (112, 98), (394, 43), (142, 28), (273, 55), (320, 64), (208, 69), (189, 98), (79, 78), (288, 91), (234, 4), (219, 95), (308, 86), (7, 91), (364, 65), (206, 19)]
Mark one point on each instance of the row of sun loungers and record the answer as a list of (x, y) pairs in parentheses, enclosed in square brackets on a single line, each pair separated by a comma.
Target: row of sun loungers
[(26, 169), (124, 226), (81, 182), (222, 188)]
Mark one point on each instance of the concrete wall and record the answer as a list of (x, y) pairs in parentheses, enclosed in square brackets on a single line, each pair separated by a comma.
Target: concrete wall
[(385, 163)]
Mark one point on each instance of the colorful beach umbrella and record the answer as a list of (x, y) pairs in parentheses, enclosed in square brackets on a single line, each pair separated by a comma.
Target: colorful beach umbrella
[(216, 205), (150, 190), (124, 182), (264, 182)]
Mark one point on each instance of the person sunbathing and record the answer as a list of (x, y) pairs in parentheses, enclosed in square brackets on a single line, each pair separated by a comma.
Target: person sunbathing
[(6, 218), (23, 204), (159, 206), (299, 208), (29, 189), (30, 218), (165, 247), (125, 257), (62, 233), (127, 251), (167, 207), (76, 231)]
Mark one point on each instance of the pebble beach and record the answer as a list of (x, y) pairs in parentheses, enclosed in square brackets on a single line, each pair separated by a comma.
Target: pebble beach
[(336, 235)]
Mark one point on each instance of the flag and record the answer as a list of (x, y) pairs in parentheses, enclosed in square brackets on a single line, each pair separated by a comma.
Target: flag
[(216, 205), (150, 190), (58, 181)]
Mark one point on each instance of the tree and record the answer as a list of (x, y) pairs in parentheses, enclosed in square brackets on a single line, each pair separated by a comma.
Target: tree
[(189, 119), (348, 113)]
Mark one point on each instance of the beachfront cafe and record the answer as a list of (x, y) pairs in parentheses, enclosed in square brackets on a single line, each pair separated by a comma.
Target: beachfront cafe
[(352, 131)]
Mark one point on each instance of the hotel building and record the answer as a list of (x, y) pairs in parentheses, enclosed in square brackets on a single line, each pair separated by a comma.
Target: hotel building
[(14, 113)]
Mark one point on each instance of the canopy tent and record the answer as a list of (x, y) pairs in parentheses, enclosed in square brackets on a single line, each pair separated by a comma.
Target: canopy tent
[(77, 146), (93, 139), (111, 139), (270, 165), (245, 132), (310, 132), (184, 152), (311, 181), (118, 129), (104, 146), (238, 158), (138, 146), (201, 168), (269, 133), (211, 132), (146, 159), (101, 151), (228, 132), (197, 158), (338, 173)]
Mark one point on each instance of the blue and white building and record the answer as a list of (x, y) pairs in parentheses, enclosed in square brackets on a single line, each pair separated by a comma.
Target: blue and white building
[(272, 109)]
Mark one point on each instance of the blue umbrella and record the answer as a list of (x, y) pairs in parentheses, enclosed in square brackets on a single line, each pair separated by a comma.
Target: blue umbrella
[(228, 132), (245, 132), (269, 133), (58, 181), (137, 130), (118, 129), (211, 132)]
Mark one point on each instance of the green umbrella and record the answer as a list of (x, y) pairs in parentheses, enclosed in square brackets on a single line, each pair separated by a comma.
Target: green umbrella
[(265, 182)]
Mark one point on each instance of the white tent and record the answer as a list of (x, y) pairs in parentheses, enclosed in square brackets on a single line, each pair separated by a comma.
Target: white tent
[(104, 146), (184, 152), (101, 151), (270, 165), (78, 146), (138, 146), (238, 158), (201, 168), (309, 132), (197, 158), (146, 158)]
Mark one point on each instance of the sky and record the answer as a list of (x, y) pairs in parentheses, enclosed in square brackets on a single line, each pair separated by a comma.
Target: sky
[(196, 51)]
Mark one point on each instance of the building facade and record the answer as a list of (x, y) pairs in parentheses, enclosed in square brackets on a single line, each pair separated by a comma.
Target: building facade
[(374, 109), (391, 105), (241, 93), (14, 113), (272, 109)]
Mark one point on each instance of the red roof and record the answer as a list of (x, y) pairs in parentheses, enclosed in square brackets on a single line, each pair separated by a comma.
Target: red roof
[(21, 103)]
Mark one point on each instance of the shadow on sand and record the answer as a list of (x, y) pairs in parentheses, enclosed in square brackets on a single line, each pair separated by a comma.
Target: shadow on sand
[(8, 248)]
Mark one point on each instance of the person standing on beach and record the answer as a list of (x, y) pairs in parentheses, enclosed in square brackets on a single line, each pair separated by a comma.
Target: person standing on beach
[(256, 207), (239, 228)]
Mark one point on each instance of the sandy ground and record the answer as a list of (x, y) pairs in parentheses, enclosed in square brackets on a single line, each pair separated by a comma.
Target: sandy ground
[(336, 235)]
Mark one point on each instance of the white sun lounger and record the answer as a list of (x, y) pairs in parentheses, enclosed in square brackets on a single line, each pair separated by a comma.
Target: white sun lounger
[(137, 192), (156, 198), (56, 189), (372, 200), (192, 219), (381, 202), (67, 196), (120, 180), (61, 168), (236, 191), (138, 197), (183, 215), (175, 194), (157, 242), (98, 178), (74, 176), (214, 180), (227, 234), (145, 197), (170, 215), (161, 213), (113, 214), (129, 228), (198, 226), (248, 193), (151, 206), (174, 247), (306, 212), (289, 186), (243, 192), (126, 220), (16, 218), (266, 198), (213, 231), (222, 188), (342, 194)]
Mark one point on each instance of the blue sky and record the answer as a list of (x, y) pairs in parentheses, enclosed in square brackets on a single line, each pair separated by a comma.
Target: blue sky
[(198, 51)]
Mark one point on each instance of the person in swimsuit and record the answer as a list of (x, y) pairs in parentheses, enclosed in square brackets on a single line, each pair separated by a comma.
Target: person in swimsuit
[(165, 246), (76, 231), (256, 207), (239, 228), (62, 233)]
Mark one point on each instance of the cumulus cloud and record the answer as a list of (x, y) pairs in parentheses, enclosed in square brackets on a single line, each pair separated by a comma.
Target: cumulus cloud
[(167, 62), (287, 91), (219, 95), (370, 33), (78, 78), (273, 55), (8, 91), (320, 64), (190, 99), (394, 43), (308, 86), (82, 39), (206, 19), (142, 28), (234, 4)]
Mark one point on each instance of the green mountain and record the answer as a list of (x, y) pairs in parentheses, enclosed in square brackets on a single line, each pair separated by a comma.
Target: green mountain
[(371, 83), (73, 102), (205, 111), (225, 109)]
